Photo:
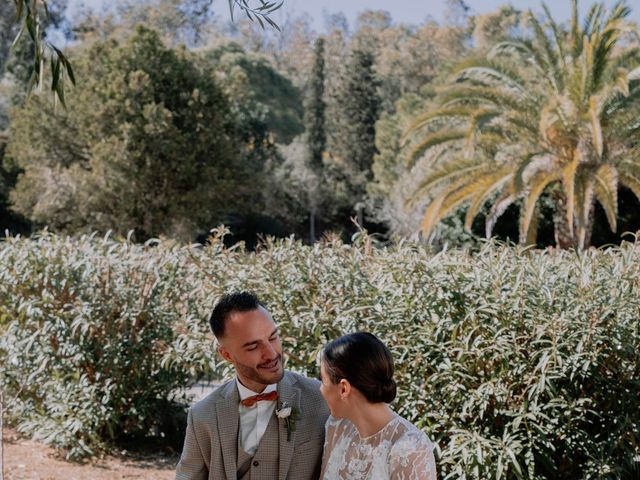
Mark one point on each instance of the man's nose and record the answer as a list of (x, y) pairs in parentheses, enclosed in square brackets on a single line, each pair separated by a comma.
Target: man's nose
[(269, 352)]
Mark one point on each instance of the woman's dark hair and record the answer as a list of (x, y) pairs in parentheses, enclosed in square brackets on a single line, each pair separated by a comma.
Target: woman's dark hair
[(229, 303), (363, 360)]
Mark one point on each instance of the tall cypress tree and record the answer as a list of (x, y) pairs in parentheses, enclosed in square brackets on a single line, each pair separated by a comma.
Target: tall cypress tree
[(314, 116), (358, 108), (314, 120)]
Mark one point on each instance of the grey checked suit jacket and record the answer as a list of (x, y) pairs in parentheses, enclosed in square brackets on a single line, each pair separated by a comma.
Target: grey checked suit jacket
[(210, 445)]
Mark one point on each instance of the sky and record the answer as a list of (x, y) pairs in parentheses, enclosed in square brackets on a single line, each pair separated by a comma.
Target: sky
[(405, 11), (416, 11)]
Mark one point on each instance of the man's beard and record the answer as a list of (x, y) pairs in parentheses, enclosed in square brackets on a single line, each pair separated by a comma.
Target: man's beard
[(263, 378)]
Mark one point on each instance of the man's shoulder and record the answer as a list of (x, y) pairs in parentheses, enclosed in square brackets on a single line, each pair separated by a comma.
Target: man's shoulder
[(207, 405), (309, 387), (303, 382)]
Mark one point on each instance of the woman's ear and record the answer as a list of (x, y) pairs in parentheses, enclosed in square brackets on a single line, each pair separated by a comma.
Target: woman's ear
[(345, 389)]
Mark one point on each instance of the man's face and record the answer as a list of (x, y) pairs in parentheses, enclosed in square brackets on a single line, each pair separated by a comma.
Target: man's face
[(252, 344)]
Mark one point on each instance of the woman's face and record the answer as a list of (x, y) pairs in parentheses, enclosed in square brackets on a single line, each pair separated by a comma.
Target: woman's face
[(331, 393)]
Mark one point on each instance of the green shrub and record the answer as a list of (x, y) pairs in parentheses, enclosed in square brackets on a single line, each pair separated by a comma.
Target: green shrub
[(519, 364), (90, 324)]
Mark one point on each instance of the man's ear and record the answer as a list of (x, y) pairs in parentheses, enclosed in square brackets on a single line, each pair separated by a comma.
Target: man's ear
[(224, 353)]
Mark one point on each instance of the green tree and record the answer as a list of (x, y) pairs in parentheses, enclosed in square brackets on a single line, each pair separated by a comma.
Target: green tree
[(35, 15), (316, 135), (177, 21), (145, 145), (552, 112), (254, 85), (9, 221), (354, 138)]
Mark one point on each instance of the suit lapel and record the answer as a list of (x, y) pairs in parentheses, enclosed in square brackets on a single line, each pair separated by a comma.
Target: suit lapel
[(287, 392), (228, 419)]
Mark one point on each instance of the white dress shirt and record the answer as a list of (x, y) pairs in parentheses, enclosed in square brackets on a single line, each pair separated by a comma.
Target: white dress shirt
[(254, 420)]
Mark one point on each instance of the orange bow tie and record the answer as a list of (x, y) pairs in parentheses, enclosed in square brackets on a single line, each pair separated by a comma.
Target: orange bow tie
[(251, 401)]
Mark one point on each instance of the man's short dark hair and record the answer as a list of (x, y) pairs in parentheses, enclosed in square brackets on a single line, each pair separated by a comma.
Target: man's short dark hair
[(229, 303)]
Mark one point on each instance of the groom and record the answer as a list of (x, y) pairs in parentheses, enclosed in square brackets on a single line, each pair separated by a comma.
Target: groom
[(241, 430)]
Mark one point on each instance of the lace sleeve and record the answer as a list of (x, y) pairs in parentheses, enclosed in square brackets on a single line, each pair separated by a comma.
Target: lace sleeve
[(412, 458), (330, 430)]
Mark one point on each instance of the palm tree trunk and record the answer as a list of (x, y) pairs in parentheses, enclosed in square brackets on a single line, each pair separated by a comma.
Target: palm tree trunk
[(562, 233)]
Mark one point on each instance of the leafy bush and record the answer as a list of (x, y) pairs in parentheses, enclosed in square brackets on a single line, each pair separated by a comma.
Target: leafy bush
[(519, 364), (87, 324)]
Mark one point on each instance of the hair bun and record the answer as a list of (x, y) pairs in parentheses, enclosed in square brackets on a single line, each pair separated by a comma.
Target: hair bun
[(387, 391)]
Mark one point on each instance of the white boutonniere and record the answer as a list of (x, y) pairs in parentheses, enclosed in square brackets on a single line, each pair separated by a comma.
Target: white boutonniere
[(289, 414)]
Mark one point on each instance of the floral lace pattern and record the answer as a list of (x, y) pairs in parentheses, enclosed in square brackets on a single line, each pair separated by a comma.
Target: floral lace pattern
[(399, 451)]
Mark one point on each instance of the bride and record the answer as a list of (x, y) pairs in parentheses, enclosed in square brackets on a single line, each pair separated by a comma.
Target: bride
[(365, 439)]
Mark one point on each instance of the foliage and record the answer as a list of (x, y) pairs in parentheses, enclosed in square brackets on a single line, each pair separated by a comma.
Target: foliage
[(551, 112), (259, 93), (316, 132), (177, 21), (9, 221), (518, 363), (145, 144), (354, 136), (8, 31), (86, 324), (315, 108), (34, 15)]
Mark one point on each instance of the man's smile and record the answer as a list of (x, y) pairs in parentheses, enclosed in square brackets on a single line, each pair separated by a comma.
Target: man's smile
[(272, 365)]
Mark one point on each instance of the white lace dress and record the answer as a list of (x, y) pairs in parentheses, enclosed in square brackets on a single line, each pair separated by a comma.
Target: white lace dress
[(399, 451)]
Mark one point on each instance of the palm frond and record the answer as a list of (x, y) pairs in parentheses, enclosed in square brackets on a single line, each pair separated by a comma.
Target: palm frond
[(497, 209), (593, 19), (454, 173), (557, 38), (576, 35), (434, 139), (525, 163), (492, 183), (491, 73), (606, 190), (434, 116), (596, 127), (482, 95), (631, 182), (536, 187), (545, 56), (531, 56), (451, 199)]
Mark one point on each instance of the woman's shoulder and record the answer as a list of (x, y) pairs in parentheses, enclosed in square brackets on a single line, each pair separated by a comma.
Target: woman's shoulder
[(338, 427), (336, 423), (407, 433)]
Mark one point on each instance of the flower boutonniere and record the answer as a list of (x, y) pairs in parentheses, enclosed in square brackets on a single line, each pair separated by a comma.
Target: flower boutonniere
[(289, 414)]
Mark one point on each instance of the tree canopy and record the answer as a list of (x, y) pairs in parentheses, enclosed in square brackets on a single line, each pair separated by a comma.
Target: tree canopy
[(145, 144), (553, 111)]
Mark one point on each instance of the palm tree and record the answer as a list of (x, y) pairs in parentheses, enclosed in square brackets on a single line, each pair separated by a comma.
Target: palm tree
[(556, 111)]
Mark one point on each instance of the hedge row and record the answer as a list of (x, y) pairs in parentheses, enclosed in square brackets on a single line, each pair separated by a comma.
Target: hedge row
[(519, 364)]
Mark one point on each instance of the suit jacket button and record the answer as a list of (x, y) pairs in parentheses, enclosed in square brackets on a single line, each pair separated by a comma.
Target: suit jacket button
[(256, 463)]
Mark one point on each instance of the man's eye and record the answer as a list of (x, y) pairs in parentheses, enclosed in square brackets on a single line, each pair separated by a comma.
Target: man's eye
[(275, 337), (252, 348)]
